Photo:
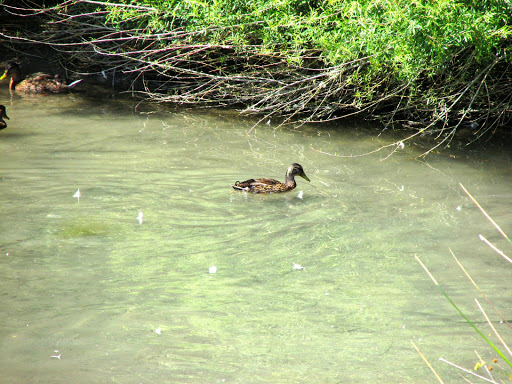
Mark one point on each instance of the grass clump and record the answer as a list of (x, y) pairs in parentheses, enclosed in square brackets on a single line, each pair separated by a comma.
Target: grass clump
[(433, 66)]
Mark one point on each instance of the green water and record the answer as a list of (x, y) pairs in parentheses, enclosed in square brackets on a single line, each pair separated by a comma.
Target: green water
[(84, 280)]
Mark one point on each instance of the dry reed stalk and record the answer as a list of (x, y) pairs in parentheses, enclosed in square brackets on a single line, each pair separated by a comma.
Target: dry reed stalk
[(495, 249), (493, 329), (468, 371), (428, 363), (485, 213), (478, 289)]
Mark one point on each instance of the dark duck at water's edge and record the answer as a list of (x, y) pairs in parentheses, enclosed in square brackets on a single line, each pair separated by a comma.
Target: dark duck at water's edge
[(3, 115), (36, 83), (271, 185)]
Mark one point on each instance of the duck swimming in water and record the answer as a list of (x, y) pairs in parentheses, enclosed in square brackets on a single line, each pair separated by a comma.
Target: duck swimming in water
[(36, 83), (271, 185), (3, 116)]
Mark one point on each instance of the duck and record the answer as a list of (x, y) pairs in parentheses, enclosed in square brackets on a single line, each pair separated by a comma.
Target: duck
[(3, 116), (36, 83), (272, 185)]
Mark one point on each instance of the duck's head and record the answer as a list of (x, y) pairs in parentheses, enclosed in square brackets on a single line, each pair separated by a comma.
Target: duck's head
[(296, 170), (11, 69)]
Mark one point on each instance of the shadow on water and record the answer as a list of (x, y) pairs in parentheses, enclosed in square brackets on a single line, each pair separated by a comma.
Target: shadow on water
[(124, 299)]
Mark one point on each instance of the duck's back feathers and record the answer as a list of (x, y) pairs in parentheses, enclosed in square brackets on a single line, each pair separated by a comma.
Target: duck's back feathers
[(263, 186), (38, 83)]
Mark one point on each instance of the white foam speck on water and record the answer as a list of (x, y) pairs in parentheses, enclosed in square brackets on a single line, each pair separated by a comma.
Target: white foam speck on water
[(298, 267), (77, 194)]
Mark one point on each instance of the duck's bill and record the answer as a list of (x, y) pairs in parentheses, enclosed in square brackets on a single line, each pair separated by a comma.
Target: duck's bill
[(304, 176), (4, 75)]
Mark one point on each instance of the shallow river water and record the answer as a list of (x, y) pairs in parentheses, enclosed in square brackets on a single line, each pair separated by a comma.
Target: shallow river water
[(92, 294)]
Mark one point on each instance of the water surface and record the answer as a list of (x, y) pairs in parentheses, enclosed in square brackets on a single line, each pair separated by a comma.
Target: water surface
[(84, 280)]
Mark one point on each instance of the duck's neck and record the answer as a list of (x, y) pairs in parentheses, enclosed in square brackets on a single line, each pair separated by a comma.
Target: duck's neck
[(15, 79), (12, 84), (290, 180)]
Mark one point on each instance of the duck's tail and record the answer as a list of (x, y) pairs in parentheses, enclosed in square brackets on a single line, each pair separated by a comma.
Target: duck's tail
[(236, 187), (74, 83)]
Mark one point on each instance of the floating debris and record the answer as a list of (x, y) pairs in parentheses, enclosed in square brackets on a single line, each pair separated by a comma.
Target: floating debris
[(139, 218), (298, 267), (299, 196), (458, 208), (212, 269), (56, 356), (158, 331), (77, 194)]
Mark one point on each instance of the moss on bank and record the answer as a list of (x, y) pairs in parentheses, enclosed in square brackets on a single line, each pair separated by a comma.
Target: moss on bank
[(432, 66)]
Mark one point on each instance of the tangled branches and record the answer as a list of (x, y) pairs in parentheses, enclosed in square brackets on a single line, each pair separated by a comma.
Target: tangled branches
[(185, 66)]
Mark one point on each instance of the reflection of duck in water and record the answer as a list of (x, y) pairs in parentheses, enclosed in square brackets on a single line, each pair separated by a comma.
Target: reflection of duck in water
[(3, 116), (35, 83), (271, 185)]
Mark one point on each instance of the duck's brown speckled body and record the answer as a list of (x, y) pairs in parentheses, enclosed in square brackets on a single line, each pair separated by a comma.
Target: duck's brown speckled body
[(36, 83), (272, 185)]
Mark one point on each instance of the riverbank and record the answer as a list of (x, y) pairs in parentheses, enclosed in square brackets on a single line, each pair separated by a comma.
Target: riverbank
[(435, 69)]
